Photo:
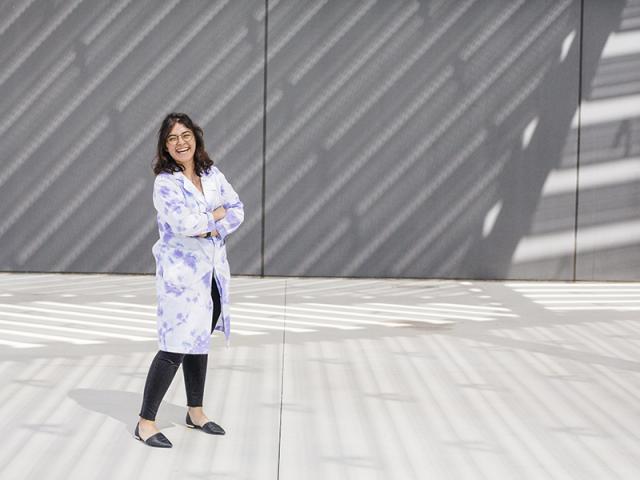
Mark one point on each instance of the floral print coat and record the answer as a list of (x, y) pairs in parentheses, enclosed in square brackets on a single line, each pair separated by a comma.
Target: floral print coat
[(186, 263)]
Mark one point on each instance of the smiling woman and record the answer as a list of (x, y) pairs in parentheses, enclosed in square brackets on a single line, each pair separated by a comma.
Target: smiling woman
[(197, 209)]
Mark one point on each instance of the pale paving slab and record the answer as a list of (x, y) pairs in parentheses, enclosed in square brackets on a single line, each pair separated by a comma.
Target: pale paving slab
[(488, 380), (69, 410)]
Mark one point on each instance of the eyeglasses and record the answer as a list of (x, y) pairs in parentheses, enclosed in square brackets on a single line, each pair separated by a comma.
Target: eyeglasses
[(186, 137)]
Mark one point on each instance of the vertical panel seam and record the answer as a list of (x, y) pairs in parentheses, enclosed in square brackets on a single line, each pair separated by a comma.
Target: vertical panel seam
[(264, 138), (282, 365), (578, 152)]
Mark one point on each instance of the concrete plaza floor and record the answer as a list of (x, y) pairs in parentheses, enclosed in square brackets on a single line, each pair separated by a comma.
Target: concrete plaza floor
[(329, 379)]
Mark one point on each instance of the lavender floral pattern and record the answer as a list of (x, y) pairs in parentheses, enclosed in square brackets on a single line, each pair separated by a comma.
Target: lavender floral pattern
[(186, 263)]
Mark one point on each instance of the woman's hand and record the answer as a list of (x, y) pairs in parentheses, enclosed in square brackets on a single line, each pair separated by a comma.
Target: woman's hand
[(212, 233), (219, 213)]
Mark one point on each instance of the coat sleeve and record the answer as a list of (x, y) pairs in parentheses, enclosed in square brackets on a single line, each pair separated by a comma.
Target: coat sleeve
[(169, 200), (232, 204)]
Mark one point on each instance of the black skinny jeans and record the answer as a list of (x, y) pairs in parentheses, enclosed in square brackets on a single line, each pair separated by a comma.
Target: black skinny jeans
[(165, 365)]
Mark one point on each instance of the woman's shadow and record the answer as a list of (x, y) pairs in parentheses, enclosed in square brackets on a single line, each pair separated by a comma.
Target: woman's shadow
[(124, 406)]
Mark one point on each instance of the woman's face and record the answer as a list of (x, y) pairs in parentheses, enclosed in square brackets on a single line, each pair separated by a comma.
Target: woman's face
[(181, 144)]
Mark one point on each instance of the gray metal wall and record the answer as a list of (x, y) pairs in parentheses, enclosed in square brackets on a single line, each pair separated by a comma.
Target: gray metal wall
[(608, 240), (403, 138)]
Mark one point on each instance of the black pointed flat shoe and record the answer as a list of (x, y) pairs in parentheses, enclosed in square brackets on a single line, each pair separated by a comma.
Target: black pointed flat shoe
[(158, 440), (210, 427)]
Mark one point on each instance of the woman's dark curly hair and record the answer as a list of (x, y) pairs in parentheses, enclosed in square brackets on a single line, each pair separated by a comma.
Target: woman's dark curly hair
[(164, 161)]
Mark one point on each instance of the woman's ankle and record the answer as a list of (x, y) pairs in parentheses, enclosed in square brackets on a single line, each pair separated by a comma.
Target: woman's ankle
[(145, 421)]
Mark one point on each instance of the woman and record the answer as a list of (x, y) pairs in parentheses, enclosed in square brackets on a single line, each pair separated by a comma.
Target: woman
[(197, 209)]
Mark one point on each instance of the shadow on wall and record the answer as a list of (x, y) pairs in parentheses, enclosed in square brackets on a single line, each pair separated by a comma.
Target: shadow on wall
[(608, 241), (85, 85), (421, 148), (543, 148)]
